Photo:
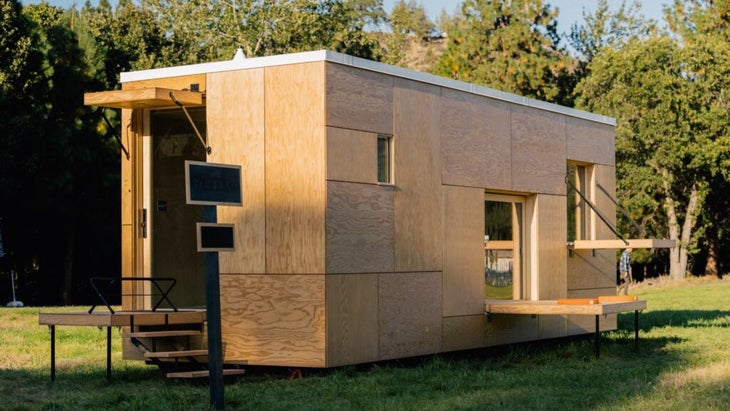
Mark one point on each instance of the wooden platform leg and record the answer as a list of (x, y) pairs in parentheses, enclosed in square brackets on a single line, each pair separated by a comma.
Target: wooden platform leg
[(52, 329)]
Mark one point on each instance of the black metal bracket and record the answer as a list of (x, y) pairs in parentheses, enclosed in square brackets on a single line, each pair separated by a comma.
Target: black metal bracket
[(192, 123), (162, 293), (114, 133)]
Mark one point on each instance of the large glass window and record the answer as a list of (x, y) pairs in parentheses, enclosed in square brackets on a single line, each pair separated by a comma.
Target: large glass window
[(503, 232), (385, 159)]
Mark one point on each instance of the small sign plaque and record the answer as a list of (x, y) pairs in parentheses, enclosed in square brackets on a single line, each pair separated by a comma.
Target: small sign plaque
[(215, 237), (212, 184)]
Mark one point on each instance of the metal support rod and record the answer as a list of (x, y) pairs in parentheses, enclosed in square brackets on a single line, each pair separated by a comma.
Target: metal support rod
[(598, 338), (192, 123), (52, 328), (598, 213), (114, 133), (636, 330), (213, 317), (625, 212)]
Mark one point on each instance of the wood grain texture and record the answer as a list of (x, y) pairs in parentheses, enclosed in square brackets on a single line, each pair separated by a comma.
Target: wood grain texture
[(295, 169), (235, 131), (538, 151), (590, 142), (410, 319), (581, 324), (274, 319), (551, 251), (352, 155), (150, 97), (176, 83), (463, 231), (359, 232), (589, 269), (352, 319), (417, 153), (508, 329), (552, 326), (476, 141), (359, 99), (464, 333)]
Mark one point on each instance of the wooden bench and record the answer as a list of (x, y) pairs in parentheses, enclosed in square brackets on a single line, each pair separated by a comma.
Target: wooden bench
[(597, 307)]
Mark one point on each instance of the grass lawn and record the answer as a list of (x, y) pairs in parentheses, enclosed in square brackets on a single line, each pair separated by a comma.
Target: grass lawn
[(683, 363)]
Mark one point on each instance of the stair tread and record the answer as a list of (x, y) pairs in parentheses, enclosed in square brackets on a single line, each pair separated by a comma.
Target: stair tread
[(165, 333), (203, 373), (175, 354)]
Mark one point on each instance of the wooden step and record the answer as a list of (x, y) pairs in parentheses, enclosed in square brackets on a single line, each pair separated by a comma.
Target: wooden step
[(176, 354), (166, 333), (203, 373)]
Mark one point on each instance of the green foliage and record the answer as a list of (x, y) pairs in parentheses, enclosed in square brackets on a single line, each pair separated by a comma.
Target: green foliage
[(407, 19), (510, 46)]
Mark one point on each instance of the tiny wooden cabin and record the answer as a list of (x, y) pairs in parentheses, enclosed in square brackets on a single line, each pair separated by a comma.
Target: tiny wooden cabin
[(381, 206)]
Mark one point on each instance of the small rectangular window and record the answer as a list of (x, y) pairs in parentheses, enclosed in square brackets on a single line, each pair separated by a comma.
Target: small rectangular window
[(385, 159)]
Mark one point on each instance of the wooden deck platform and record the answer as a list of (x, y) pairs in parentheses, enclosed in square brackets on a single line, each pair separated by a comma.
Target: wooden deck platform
[(123, 318), (572, 306)]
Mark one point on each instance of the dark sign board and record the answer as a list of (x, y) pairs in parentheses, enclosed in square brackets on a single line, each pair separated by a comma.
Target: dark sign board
[(215, 237), (212, 184)]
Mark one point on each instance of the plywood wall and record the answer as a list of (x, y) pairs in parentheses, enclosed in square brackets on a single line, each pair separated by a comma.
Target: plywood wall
[(551, 247), (352, 319), (417, 169), (359, 99), (538, 151), (274, 319), (463, 231), (590, 142), (295, 169), (351, 155), (174, 83), (235, 132), (409, 316), (476, 141), (359, 228)]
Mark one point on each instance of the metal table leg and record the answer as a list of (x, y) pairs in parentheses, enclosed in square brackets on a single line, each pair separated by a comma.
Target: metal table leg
[(636, 330), (598, 338), (52, 329), (108, 354)]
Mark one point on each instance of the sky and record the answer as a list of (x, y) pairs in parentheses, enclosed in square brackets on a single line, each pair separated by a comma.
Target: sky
[(571, 11)]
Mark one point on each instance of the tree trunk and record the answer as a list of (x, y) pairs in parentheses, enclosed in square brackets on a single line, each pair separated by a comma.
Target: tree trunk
[(711, 266), (678, 256)]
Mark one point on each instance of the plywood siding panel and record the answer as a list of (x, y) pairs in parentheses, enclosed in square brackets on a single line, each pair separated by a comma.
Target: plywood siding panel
[(174, 83), (359, 228), (551, 250), (463, 232), (588, 269), (358, 99), (352, 319), (352, 155), (410, 320), (295, 168), (552, 326), (274, 319), (475, 141), (235, 131), (507, 329), (417, 171), (538, 151), (590, 142), (464, 333)]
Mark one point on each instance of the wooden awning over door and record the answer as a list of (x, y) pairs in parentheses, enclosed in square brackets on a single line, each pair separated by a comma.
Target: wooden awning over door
[(149, 97)]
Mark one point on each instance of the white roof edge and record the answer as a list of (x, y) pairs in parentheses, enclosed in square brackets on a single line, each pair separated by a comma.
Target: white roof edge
[(331, 56)]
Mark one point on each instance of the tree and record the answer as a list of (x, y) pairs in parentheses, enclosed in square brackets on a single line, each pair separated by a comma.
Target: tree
[(408, 23), (508, 45), (207, 31)]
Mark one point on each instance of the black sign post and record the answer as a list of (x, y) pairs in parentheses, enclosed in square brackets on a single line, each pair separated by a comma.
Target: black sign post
[(209, 185)]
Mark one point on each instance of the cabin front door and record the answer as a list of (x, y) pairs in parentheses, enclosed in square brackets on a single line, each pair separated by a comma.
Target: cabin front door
[(503, 246), (170, 243)]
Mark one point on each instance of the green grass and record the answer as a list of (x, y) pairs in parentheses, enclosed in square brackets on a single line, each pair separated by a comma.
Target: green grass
[(683, 363)]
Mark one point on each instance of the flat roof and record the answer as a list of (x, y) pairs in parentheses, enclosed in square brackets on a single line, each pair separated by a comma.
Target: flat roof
[(344, 59)]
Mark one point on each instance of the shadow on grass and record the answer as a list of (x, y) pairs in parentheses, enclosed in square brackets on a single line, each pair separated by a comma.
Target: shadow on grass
[(677, 318)]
